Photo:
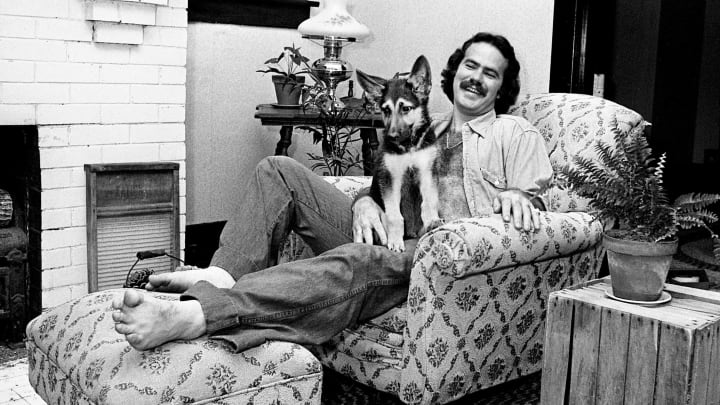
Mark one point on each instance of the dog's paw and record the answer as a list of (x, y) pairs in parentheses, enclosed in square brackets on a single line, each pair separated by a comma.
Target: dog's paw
[(396, 245), (432, 225)]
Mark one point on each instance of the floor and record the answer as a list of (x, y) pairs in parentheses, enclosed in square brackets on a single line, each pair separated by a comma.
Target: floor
[(14, 385)]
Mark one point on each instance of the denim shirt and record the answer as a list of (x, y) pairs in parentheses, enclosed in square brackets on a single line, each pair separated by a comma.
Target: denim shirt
[(500, 152)]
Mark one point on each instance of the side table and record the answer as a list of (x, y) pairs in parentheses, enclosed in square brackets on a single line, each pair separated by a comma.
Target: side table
[(602, 351), (288, 117)]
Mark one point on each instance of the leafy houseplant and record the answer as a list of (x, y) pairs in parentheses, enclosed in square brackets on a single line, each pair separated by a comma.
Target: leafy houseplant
[(288, 70), (624, 186), (335, 133)]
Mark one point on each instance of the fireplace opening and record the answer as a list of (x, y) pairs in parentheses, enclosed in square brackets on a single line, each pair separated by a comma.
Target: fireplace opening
[(20, 226)]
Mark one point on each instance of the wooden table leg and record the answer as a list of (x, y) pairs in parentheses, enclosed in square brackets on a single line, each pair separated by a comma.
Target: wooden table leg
[(283, 144), (369, 147)]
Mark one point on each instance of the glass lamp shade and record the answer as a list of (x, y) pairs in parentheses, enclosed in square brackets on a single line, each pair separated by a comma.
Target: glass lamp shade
[(334, 21)]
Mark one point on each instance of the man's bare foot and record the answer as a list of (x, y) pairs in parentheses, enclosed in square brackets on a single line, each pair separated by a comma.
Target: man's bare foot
[(148, 322), (180, 281)]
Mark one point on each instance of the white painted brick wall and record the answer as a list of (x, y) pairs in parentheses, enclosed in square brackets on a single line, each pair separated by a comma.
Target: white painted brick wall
[(128, 113), (16, 71), (55, 178), (54, 259), (171, 113), (166, 36), (102, 11), (52, 297), (18, 114), (65, 72), (157, 2), (69, 157), (32, 49), (30, 93), (118, 33), (137, 13), (62, 198), (173, 75), (53, 135), (147, 133), (178, 3), (56, 218), (171, 17), (165, 94), (48, 114), (102, 53), (62, 177), (65, 237), (158, 55), (78, 255), (17, 27), (136, 74), (99, 93), (94, 101), (130, 153), (35, 8), (71, 30), (96, 134), (172, 151), (78, 215)]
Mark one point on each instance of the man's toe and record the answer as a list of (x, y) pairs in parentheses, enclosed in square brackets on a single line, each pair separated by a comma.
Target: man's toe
[(117, 303), (132, 298), (123, 328), (118, 316)]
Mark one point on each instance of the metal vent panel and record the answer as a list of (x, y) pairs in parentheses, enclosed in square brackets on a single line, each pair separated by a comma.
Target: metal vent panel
[(120, 238)]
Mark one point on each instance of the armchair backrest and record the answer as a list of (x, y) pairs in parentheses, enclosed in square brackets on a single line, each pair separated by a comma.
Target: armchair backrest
[(572, 123)]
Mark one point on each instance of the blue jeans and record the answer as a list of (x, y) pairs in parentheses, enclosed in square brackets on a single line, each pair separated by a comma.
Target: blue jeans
[(305, 301)]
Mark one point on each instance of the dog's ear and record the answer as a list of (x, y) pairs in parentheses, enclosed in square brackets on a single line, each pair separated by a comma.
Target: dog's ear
[(373, 85), (420, 78)]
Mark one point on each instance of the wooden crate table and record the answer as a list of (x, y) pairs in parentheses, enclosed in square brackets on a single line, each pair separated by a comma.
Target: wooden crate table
[(602, 351)]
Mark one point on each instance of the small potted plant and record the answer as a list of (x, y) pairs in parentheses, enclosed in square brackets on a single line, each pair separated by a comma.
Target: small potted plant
[(624, 186), (288, 68), (336, 132)]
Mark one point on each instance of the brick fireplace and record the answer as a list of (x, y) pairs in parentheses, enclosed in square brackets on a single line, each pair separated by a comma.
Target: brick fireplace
[(97, 81)]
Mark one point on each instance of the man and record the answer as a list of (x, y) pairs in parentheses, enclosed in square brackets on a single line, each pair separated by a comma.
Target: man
[(244, 297)]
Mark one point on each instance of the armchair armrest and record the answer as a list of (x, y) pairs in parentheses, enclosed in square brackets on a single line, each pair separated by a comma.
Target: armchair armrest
[(476, 245), (477, 297)]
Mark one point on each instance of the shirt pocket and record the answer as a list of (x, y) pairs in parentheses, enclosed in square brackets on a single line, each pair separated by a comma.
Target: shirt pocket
[(494, 179)]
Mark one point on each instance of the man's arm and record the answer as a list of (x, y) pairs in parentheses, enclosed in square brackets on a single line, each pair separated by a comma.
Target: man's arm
[(527, 170)]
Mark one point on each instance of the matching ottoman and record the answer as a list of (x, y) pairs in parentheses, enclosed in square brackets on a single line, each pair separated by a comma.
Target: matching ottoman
[(75, 356)]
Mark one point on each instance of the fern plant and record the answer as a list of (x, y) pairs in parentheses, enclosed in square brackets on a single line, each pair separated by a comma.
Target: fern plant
[(624, 186)]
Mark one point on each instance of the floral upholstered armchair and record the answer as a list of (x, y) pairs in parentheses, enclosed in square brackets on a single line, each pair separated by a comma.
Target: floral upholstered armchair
[(475, 313)]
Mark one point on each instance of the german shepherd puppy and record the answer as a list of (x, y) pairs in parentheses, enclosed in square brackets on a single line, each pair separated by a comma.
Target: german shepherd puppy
[(404, 181)]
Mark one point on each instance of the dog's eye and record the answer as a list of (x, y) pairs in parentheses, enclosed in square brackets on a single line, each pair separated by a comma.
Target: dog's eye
[(406, 109), (386, 110)]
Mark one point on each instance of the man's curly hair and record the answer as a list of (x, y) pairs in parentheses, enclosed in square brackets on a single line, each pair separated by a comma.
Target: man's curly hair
[(511, 83)]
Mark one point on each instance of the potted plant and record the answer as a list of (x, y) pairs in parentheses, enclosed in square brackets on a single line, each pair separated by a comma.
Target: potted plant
[(624, 186), (335, 133), (288, 68)]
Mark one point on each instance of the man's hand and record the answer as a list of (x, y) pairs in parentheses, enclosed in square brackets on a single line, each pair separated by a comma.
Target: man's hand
[(368, 216), (517, 204)]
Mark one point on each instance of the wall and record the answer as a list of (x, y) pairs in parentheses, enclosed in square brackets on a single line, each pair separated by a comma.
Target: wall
[(104, 82), (224, 141)]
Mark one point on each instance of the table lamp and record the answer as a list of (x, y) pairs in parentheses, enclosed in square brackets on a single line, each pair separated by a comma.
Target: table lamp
[(334, 26)]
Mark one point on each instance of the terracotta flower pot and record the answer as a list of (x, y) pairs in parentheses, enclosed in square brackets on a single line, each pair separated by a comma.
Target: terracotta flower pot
[(288, 91), (638, 269)]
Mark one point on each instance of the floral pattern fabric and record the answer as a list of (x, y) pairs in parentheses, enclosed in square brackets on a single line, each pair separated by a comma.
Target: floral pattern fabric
[(476, 308), (75, 356)]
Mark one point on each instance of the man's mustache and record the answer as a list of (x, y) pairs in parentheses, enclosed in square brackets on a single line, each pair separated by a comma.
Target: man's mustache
[(473, 83)]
